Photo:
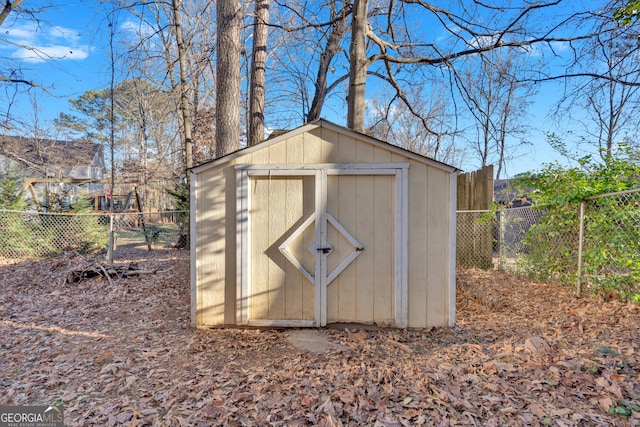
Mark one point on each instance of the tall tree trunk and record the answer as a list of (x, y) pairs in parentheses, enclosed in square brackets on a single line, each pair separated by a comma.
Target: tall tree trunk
[(258, 70), (228, 81), (358, 66), (184, 94), (337, 33)]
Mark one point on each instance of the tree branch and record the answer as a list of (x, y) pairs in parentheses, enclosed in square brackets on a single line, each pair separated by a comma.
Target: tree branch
[(383, 56), (592, 75), (20, 81), (8, 7)]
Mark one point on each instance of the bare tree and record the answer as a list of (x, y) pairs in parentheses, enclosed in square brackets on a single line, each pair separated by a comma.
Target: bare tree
[(143, 108), (399, 50), (314, 49), (12, 72), (13, 80), (171, 45), (391, 120), (258, 71), (228, 77), (337, 30), (185, 108), (306, 39), (359, 64), (604, 110), (497, 102)]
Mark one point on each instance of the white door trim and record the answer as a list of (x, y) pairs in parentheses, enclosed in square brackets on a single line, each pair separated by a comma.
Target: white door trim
[(320, 276)]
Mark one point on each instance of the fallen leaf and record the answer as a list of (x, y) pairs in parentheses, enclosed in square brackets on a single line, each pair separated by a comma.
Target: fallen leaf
[(536, 345), (104, 357), (606, 403), (143, 360), (537, 410), (358, 336), (560, 412)]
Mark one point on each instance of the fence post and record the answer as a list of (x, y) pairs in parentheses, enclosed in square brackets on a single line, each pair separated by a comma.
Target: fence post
[(500, 239), (111, 240), (580, 243)]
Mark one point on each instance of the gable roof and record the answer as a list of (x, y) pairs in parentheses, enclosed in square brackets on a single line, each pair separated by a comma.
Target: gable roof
[(322, 123), (50, 154)]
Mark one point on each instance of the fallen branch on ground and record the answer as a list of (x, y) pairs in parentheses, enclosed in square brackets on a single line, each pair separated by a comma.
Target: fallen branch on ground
[(92, 268)]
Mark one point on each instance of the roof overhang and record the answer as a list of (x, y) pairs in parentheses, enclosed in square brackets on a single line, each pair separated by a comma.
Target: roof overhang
[(322, 123)]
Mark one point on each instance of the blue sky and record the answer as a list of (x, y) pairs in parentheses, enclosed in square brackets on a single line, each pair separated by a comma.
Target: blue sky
[(67, 55), (70, 56)]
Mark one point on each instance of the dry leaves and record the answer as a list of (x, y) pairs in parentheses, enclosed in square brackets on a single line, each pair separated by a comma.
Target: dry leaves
[(125, 354)]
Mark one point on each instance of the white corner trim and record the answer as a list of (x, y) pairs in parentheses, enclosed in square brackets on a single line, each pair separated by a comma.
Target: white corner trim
[(401, 251), (242, 247), (452, 248), (193, 255)]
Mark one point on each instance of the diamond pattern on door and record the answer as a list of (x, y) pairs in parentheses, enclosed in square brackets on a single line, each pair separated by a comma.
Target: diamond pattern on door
[(285, 247), (317, 250), (357, 248), (298, 244)]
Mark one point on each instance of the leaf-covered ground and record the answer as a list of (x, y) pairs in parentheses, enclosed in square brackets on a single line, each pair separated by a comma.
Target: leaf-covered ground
[(124, 354)]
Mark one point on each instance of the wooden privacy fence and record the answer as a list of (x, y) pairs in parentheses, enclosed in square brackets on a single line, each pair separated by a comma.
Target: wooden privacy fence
[(474, 231)]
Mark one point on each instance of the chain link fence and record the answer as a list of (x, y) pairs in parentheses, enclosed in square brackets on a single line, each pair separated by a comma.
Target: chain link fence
[(37, 235), (596, 247), (512, 239), (512, 248), (475, 239), (610, 245)]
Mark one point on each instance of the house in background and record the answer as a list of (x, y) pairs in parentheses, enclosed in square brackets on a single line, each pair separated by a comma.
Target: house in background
[(507, 194), (53, 168)]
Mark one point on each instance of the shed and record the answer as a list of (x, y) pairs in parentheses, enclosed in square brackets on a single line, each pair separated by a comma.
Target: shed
[(323, 225)]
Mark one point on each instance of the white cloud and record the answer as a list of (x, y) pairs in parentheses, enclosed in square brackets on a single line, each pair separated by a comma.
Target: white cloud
[(20, 34), (539, 49), (32, 43), (137, 29), (64, 33), (483, 41), (58, 52)]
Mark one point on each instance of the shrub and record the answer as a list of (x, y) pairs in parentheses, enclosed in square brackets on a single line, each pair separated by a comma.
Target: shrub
[(180, 195), (21, 235), (553, 242), (84, 233)]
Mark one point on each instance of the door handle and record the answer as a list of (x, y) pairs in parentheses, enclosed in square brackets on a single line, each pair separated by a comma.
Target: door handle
[(324, 250)]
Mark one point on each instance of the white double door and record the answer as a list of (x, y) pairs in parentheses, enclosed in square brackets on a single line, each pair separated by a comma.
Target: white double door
[(320, 245)]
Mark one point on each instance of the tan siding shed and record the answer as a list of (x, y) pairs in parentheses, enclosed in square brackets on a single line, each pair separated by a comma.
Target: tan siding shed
[(323, 225)]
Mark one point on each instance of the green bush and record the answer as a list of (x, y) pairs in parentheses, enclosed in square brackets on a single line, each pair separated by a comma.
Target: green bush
[(553, 242), (181, 198), (612, 246), (11, 196), (82, 233), (21, 235)]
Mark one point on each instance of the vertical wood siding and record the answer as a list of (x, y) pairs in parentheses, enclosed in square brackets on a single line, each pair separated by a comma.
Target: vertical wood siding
[(278, 290), (211, 242), (363, 204)]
